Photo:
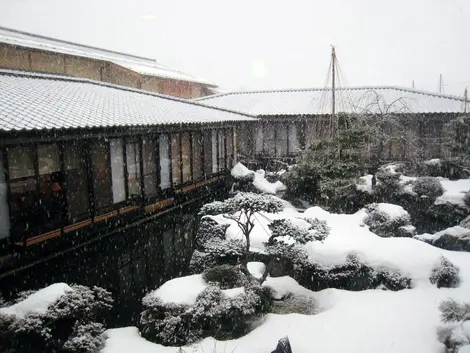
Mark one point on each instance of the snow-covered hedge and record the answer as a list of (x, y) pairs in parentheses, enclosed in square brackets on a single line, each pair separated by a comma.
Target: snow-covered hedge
[(353, 275), (428, 186), (226, 276), (58, 318), (172, 318), (445, 274)]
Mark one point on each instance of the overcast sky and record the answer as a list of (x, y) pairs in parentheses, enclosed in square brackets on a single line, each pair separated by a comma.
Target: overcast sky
[(268, 44)]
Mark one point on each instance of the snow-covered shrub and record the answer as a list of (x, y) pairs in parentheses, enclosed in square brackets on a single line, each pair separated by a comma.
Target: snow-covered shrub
[(428, 186), (388, 182), (445, 214), (67, 324), (353, 275), (393, 281), (455, 333), (445, 274), (385, 219), (318, 230), (226, 276), (213, 248), (85, 338), (214, 313), (223, 317), (209, 230), (453, 311)]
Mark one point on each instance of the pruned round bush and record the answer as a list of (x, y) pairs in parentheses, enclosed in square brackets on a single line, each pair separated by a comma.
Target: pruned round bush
[(215, 313), (225, 276), (385, 220), (428, 186), (68, 324), (445, 274)]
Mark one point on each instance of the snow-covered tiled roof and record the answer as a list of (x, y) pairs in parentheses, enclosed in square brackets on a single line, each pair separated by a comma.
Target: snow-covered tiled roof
[(32, 101), (142, 65), (348, 100)]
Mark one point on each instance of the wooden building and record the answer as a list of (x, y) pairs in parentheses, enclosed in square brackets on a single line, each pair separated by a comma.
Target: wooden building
[(27, 51), (291, 119), (78, 155)]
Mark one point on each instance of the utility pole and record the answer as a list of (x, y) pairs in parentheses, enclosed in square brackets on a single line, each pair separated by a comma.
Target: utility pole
[(441, 86), (333, 74), (413, 84)]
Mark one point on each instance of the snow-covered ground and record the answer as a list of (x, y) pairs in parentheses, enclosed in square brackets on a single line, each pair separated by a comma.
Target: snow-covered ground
[(354, 322)]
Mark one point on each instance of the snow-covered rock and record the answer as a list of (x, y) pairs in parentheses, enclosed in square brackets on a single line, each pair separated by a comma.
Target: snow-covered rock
[(257, 179), (455, 238), (239, 171), (256, 269)]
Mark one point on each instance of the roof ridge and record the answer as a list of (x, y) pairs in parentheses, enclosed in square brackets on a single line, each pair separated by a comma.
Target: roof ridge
[(62, 77), (399, 88), (74, 43)]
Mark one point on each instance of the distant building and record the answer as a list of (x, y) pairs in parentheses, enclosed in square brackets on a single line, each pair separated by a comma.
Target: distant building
[(26, 51), (291, 119)]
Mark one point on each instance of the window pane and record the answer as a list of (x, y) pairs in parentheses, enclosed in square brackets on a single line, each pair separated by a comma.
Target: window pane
[(117, 170), (20, 162), (229, 141), (165, 162), (207, 152), (48, 159), (186, 154), (197, 156), (75, 180), (149, 147), (133, 169), (51, 182), (281, 139), (214, 151), (259, 137), (221, 148), (102, 188), (4, 211), (293, 140), (269, 139), (22, 183), (175, 159)]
